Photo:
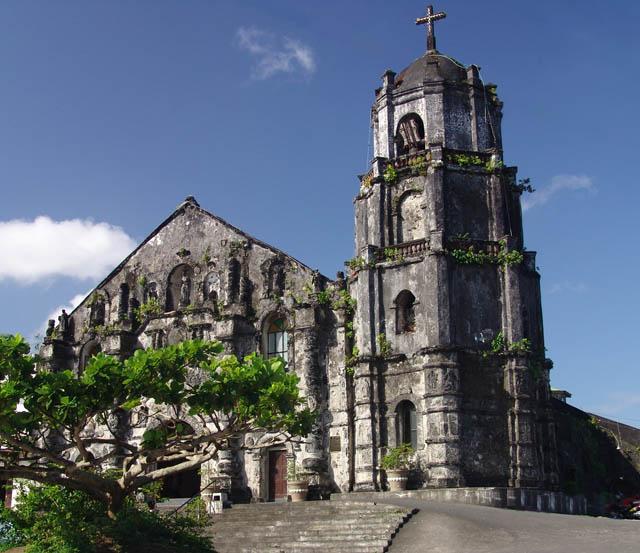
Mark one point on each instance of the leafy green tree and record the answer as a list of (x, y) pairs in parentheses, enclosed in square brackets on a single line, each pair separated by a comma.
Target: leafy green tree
[(48, 418)]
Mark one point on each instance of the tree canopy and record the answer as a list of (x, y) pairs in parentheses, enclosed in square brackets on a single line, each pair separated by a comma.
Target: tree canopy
[(48, 418)]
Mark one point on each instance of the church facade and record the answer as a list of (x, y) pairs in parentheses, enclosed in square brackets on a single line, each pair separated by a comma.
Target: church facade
[(433, 336)]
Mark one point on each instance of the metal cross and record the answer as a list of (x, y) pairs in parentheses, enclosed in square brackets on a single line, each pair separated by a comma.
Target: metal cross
[(428, 20)]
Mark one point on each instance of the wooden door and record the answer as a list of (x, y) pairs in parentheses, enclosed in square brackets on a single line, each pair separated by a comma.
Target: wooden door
[(277, 475)]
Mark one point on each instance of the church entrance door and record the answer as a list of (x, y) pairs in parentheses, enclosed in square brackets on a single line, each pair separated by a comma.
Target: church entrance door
[(277, 475)]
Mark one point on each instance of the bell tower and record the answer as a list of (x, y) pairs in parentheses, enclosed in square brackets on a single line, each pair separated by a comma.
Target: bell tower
[(448, 320)]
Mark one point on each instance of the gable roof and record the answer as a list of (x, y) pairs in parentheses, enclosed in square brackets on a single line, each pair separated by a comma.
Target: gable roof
[(190, 202)]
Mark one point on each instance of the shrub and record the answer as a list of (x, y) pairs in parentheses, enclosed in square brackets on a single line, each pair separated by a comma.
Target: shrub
[(53, 519), (398, 458)]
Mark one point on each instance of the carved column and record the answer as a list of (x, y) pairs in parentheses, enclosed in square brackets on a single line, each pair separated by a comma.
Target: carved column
[(230, 468), (307, 366), (521, 419), (366, 441), (442, 420), (524, 471)]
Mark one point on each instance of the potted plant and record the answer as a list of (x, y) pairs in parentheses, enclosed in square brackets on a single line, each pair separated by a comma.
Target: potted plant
[(297, 482), (396, 464)]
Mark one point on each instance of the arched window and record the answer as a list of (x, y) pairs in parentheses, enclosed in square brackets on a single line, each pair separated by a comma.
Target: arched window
[(91, 348), (406, 428), (211, 286), (405, 312), (409, 135), (234, 270), (277, 342)]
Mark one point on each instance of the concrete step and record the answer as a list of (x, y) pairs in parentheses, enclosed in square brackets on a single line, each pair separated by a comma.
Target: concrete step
[(334, 527), (294, 549), (317, 519)]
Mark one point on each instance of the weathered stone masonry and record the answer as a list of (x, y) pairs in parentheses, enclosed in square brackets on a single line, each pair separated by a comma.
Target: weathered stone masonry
[(431, 352)]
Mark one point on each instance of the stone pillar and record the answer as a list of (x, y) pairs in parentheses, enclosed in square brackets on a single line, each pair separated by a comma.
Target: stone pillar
[(366, 439), (308, 368), (524, 471), (384, 124), (230, 467), (442, 420), (434, 195), (476, 98)]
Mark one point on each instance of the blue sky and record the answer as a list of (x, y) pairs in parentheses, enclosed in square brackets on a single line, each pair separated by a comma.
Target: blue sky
[(112, 112)]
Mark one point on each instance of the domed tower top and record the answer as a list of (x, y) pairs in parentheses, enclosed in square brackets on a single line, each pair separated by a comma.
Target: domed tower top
[(435, 100)]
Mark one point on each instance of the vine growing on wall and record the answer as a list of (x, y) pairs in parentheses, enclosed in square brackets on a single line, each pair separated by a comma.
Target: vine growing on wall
[(206, 256), (392, 254), (536, 359), (150, 308), (418, 165), (351, 360), (504, 257), (358, 263), (366, 182), (384, 346), (499, 344), (390, 174), (465, 160), (470, 160), (345, 301)]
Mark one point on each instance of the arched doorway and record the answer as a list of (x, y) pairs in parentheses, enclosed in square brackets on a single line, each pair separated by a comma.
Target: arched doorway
[(182, 484)]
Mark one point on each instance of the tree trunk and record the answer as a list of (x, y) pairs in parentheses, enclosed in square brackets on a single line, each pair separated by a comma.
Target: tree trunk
[(115, 502)]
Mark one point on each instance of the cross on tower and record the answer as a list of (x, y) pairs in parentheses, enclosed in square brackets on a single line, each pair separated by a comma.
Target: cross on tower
[(428, 21)]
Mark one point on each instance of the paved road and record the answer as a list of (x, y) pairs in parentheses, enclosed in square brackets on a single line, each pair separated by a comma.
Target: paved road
[(456, 528)]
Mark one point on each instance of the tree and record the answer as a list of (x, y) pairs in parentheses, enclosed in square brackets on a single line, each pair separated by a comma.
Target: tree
[(48, 418)]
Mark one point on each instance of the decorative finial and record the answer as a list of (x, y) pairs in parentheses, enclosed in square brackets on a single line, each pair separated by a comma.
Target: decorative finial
[(428, 21), (190, 200)]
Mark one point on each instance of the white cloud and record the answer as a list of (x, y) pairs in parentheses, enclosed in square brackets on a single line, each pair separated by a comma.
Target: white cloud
[(568, 286), (558, 184), (32, 251), (275, 55)]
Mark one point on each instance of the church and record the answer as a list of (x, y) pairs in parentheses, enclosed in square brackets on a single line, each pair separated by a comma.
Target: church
[(432, 335)]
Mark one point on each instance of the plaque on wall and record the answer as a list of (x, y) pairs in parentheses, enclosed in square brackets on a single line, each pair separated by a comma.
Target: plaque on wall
[(334, 443)]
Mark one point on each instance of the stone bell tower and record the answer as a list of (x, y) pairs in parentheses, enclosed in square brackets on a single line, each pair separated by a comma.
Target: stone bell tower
[(448, 337)]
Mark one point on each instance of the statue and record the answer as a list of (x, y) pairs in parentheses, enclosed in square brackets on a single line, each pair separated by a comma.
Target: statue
[(316, 282), (63, 324), (50, 328), (152, 291), (185, 291)]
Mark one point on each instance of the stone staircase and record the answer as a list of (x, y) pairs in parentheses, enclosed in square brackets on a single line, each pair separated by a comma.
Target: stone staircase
[(331, 526)]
